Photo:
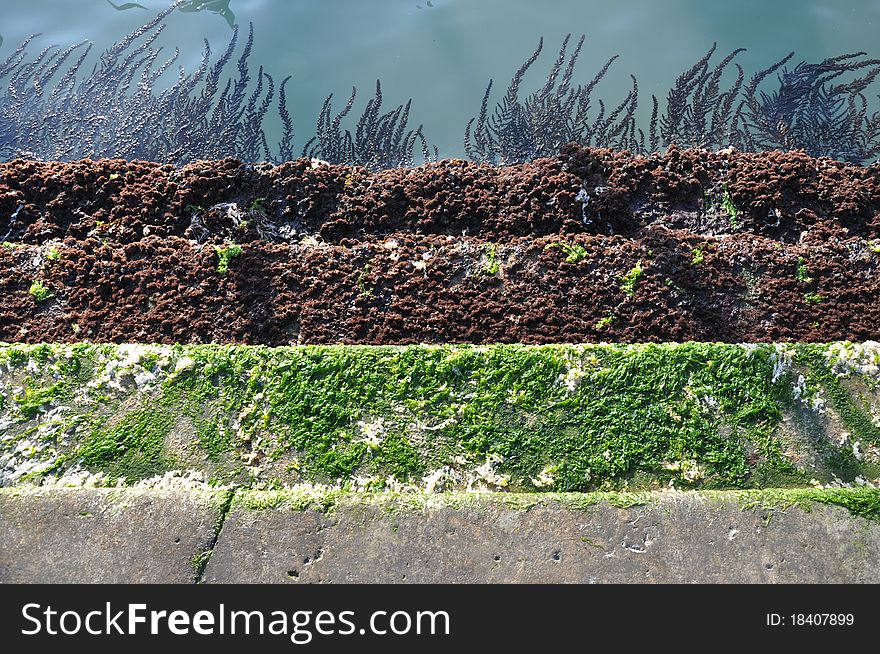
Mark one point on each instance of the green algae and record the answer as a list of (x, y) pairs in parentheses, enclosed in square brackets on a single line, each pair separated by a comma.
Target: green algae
[(598, 417), (327, 500), (225, 255), (223, 501), (133, 449), (215, 437), (861, 502), (855, 418)]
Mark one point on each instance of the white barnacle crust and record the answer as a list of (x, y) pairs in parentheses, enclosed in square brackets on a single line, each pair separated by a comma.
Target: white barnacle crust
[(854, 358), (574, 371), (372, 432), (572, 378), (441, 479), (781, 359), (546, 478), (183, 364), (486, 477)]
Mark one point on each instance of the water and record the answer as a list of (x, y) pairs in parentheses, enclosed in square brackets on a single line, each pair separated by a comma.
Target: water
[(443, 56)]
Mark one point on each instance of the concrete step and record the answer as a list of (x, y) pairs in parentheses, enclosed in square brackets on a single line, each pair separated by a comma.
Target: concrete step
[(330, 536)]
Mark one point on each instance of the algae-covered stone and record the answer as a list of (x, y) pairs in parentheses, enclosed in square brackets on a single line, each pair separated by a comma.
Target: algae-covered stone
[(450, 417)]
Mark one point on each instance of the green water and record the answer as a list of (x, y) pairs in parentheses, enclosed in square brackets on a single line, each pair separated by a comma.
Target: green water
[(443, 56)]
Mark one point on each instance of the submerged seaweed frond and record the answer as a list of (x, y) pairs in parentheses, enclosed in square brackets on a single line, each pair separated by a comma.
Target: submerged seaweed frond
[(380, 140), (550, 117), (698, 113), (121, 109), (811, 111), (130, 105)]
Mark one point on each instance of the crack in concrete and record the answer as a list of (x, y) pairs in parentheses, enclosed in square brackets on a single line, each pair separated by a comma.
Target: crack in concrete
[(201, 560)]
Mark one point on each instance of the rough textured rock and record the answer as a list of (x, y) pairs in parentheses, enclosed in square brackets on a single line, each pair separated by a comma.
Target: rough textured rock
[(737, 247), (438, 289), (147, 536), (584, 190)]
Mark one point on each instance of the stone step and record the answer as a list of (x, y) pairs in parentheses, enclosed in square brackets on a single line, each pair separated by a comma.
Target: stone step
[(330, 536)]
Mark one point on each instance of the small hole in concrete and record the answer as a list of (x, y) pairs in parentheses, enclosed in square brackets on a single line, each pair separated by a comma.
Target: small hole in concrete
[(497, 557), (177, 541), (293, 574), (557, 555), (769, 566)]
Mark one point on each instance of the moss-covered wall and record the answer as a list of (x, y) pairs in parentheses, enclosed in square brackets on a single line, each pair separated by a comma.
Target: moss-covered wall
[(528, 418)]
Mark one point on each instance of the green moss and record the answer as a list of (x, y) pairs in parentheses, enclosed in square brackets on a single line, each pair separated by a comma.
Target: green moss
[(588, 418), (729, 207), (802, 275), (862, 502), (398, 457), (215, 437), (492, 265), (288, 500), (35, 399), (857, 421), (199, 563), (363, 290), (39, 390), (573, 253)]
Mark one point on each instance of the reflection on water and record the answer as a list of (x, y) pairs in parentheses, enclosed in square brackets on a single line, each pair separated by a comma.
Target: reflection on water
[(441, 54)]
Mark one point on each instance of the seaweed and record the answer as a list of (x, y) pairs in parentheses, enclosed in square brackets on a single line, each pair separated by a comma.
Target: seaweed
[(811, 111), (379, 141), (698, 113), (130, 106), (120, 110), (550, 117)]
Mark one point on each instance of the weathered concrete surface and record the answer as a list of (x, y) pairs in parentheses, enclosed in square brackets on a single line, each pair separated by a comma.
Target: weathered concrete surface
[(103, 536), (138, 535), (675, 538)]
